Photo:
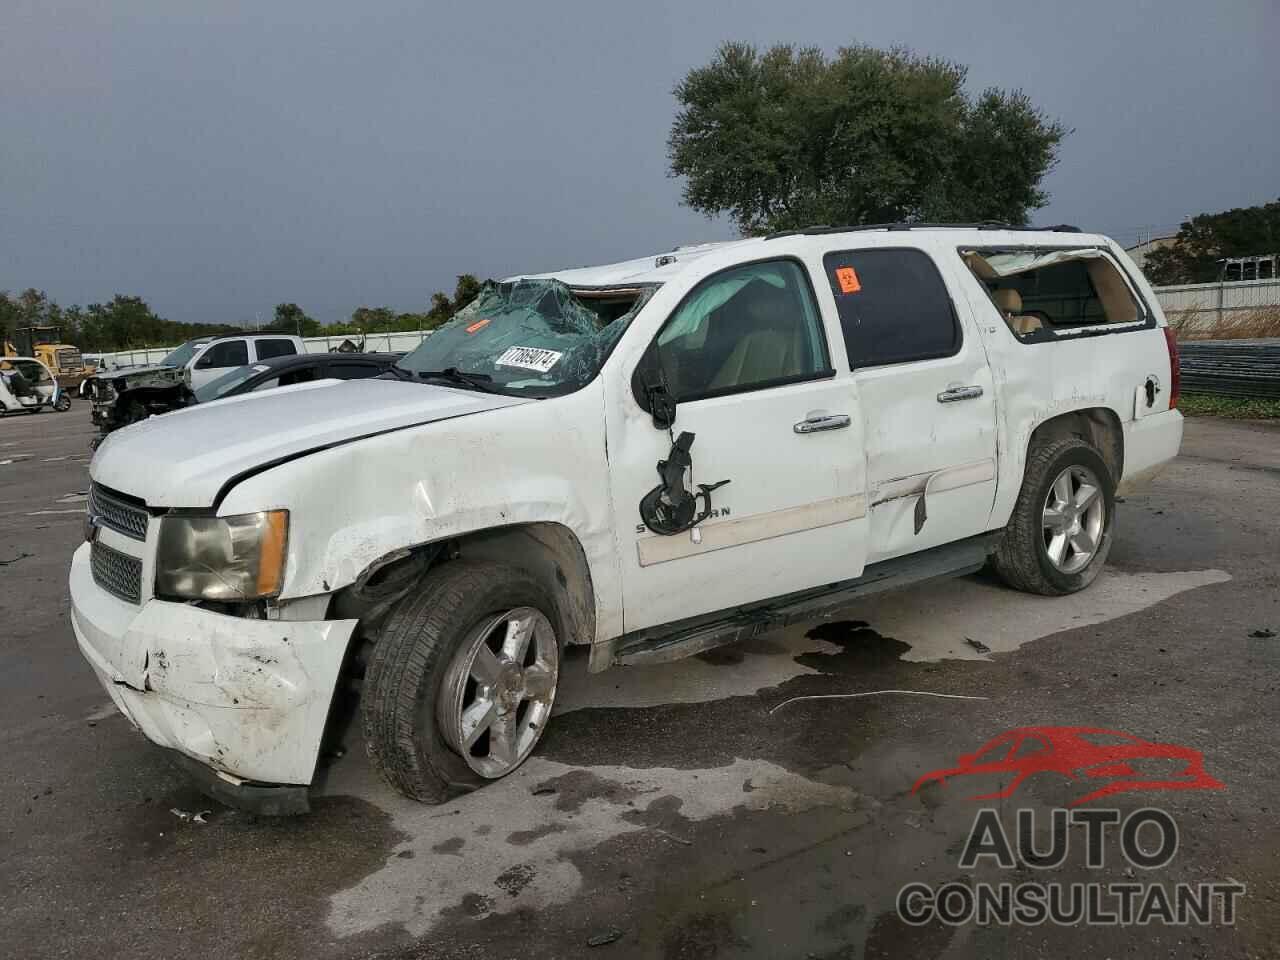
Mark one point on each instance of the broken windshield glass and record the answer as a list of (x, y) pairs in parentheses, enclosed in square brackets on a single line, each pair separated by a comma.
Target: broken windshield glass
[(532, 338)]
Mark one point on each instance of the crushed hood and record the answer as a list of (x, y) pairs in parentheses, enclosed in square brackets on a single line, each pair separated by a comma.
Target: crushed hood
[(184, 458), (125, 372)]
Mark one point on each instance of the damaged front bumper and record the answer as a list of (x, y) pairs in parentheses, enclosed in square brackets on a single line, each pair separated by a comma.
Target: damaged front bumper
[(246, 699)]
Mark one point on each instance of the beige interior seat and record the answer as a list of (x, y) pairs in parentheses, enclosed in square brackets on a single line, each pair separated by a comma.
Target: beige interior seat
[(1009, 303), (769, 347)]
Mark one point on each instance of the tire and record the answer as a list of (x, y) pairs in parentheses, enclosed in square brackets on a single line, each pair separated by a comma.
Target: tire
[(63, 404), (424, 668), (1025, 559)]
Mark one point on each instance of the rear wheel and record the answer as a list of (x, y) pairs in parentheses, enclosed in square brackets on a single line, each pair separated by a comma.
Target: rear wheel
[(1060, 532), (462, 680), (64, 402)]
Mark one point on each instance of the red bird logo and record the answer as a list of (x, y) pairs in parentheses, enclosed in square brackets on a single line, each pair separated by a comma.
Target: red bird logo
[(1088, 754)]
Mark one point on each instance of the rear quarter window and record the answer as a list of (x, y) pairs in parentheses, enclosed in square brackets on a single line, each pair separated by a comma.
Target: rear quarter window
[(893, 306), (1045, 292)]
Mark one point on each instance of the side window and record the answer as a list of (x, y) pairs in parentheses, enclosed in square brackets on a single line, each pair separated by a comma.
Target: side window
[(1043, 289), (893, 306), (300, 375), (352, 371), (745, 328), (225, 353), (275, 348)]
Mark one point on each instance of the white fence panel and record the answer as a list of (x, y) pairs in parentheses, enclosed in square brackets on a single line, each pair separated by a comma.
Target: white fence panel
[(1214, 302), (401, 342)]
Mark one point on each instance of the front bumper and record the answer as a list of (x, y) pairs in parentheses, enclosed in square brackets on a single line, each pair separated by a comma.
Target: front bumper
[(246, 698)]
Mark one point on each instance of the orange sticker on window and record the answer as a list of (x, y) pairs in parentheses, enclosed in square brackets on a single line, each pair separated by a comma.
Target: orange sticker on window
[(847, 277), (479, 325)]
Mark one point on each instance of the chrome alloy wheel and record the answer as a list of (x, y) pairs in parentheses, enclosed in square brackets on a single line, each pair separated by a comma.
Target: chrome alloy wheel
[(1075, 516), (498, 691)]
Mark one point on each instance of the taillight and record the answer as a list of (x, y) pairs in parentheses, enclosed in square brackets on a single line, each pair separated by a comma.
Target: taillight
[(1175, 372)]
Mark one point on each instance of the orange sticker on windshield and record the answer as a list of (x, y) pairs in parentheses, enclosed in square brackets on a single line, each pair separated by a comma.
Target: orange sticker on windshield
[(479, 325), (847, 277)]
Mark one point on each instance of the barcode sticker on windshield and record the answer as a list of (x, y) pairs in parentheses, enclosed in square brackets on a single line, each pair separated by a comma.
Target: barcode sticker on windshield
[(529, 358)]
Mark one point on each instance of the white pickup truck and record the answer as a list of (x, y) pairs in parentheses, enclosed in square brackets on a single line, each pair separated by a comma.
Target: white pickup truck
[(650, 458)]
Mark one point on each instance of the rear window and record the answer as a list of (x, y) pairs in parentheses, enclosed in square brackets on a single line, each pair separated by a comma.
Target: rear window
[(1041, 291), (275, 348), (893, 306)]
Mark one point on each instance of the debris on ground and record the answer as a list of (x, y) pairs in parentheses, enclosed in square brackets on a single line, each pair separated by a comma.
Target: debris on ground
[(1263, 634), (606, 937), (20, 556), (977, 645), (543, 788), (197, 817)]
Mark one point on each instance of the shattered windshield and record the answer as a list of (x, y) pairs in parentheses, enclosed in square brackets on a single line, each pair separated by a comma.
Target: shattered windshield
[(533, 338), (180, 356)]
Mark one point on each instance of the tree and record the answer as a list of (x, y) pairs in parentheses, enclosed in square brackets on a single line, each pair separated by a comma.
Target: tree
[(291, 318), (373, 319), (789, 138), (1207, 238)]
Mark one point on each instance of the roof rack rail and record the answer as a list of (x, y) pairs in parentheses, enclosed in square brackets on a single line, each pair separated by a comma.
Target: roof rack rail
[(983, 225)]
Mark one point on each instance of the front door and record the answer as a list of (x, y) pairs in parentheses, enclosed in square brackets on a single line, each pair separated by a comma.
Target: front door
[(746, 357), (219, 357), (927, 397)]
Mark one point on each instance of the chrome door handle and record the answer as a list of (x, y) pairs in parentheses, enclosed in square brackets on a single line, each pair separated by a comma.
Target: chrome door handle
[(834, 421), (956, 392)]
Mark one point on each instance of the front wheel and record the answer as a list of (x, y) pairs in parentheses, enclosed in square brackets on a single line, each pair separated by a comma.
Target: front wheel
[(64, 403), (1060, 532), (462, 680)]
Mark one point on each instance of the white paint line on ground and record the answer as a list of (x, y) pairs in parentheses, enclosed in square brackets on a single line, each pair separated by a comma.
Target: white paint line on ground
[(52, 513), (73, 498), (54, 459)]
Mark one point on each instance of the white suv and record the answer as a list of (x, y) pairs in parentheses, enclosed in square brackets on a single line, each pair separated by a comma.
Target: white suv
[(650, 458)]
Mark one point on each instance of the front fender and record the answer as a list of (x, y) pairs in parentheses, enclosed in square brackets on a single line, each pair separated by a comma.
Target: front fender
[(353, 504)]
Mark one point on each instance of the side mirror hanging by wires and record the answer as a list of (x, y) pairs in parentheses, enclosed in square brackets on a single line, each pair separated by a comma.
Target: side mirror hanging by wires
[(670, 507)]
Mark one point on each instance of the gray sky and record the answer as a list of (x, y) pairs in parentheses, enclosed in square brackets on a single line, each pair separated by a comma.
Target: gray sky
[(338, 154)]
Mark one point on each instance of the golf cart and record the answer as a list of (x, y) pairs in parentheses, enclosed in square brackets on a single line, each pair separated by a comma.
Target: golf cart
[(28, 385)]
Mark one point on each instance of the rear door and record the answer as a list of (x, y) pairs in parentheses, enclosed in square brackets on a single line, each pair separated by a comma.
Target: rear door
[(926, 395), (746, 355)]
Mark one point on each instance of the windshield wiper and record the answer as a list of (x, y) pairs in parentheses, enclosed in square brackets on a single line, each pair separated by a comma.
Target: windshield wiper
[(476, 381), (399, 372)]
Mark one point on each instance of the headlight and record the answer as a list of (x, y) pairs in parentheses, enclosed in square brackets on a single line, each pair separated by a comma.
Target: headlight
[(222, 558)]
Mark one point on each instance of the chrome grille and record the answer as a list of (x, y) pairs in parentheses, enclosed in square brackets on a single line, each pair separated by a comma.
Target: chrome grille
[(112, 510), (116, 572)]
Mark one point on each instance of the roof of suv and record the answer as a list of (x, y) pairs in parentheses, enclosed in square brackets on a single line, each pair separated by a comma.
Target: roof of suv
[(661, 267)]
